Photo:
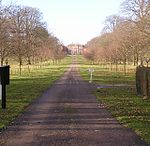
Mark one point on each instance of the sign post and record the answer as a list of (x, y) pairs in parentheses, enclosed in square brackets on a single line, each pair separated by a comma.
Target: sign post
[(4, 96), (0, 92), (4, 80), (91, 70)]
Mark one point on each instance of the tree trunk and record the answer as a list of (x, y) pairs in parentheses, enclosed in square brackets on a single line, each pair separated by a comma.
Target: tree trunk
[(125, 66), (110, 66), (2, 61), (147, 82), (116, 65), (20, 69), (29, 68), (20, 66), (137, 60), (134, 59)]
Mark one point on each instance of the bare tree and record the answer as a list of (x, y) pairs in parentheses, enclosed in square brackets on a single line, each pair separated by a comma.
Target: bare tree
[(32, 20), (4, 33), (24, 36), (17, 34), (124, 38), (111, 23), (138, 11)]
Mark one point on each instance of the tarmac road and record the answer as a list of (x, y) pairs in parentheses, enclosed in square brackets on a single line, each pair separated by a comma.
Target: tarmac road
[(67, 114)]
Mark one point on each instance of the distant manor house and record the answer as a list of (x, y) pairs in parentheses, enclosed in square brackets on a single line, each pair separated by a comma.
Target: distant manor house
[(75, 49)]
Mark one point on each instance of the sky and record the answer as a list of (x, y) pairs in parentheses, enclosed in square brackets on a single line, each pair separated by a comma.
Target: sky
[(73, 21)]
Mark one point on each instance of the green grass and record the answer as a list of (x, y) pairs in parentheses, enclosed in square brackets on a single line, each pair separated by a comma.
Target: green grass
[(105, 76), (124, 104), (23, 90), (129, 109)]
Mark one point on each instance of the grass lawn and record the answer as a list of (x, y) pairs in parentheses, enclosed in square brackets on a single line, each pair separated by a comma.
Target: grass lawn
[(124, 104), (24, 89)]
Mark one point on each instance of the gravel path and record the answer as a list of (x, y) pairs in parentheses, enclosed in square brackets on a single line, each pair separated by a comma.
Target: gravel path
[(67, 114)]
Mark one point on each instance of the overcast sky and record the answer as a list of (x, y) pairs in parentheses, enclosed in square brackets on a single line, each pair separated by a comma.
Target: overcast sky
[(74, 21)]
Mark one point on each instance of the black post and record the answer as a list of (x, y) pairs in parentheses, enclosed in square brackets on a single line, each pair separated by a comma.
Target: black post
[(4, 96), (4, 80)]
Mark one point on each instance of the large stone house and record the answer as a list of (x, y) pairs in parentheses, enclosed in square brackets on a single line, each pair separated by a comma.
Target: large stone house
[(75, 49)]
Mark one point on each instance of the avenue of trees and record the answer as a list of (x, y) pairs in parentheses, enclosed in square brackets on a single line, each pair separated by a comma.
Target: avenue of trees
[(125, 37), (24, 36)]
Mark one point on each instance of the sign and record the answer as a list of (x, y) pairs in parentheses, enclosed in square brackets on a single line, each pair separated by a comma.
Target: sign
[(4, 80)]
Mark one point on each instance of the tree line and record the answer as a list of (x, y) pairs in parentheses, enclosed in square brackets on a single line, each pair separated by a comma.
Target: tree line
[(125, 37), (25, 38)]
